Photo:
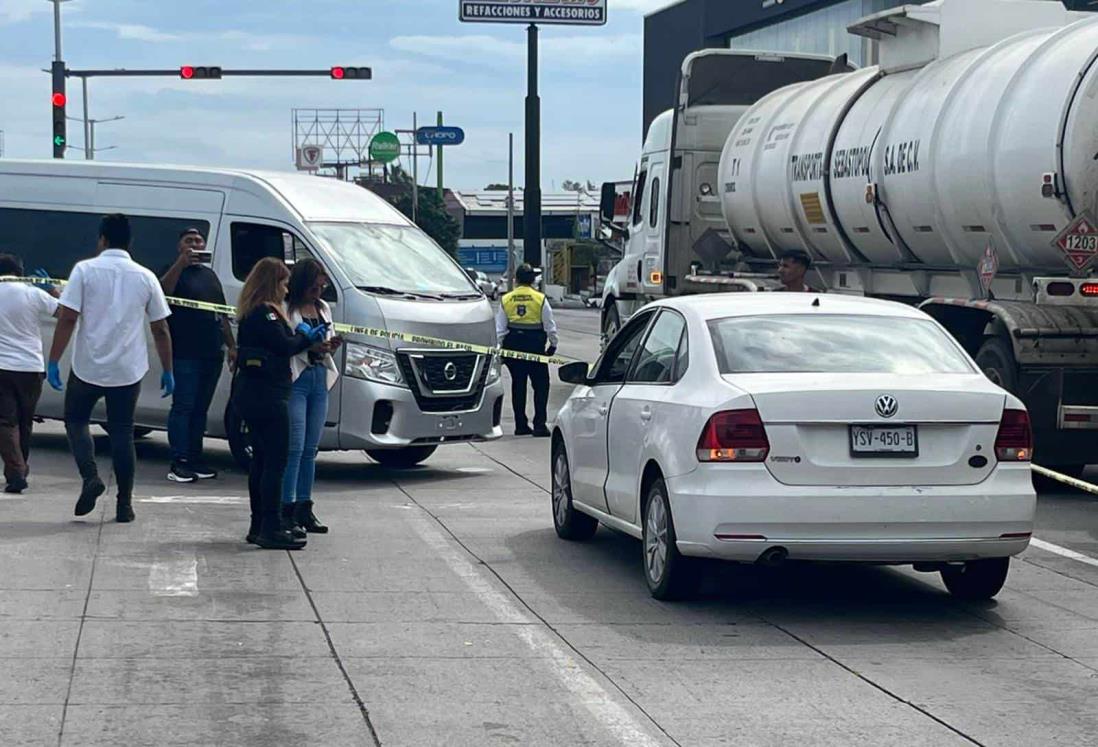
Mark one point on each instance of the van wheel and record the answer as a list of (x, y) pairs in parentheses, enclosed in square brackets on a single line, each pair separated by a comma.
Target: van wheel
[(611, 323), (239, 443), (404, 458), (996, 359), (670, 575), (569, 523), (976, 579)]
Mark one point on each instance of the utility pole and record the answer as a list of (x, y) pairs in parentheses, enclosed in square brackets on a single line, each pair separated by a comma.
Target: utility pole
[(89, 144), (531, 196), (510, 211), (438, 155), (415, 168), (89, 154), (57, 72)]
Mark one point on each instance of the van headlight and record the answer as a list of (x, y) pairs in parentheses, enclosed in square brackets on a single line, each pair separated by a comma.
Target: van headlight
[(372, 364), (494, 370)]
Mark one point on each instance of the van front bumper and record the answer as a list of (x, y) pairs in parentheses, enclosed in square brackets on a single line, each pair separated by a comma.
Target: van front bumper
[(366, 423)]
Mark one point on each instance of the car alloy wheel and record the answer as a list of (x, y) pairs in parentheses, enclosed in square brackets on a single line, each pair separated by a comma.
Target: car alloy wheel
[(569, 523), (655, 541), (561, 487)]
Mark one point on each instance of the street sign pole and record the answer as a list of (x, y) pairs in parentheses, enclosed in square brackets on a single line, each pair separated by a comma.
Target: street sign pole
[(438, 155), (531, 198), (510, 211), (415, 170)]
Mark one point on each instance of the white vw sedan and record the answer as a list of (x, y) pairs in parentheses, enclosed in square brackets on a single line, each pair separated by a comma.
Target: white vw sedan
[(760, 427)]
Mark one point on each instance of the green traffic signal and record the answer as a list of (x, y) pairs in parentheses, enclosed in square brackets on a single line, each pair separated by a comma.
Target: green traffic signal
[(58, 140)]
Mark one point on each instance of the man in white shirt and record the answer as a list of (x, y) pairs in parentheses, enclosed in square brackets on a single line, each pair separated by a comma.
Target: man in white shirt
[(21, 367), (110, 296)]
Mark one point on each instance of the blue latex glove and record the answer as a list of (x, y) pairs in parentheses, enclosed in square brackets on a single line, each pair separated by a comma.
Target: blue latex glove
[(315, 334), (167, 384), (53, 375), (41, 273)]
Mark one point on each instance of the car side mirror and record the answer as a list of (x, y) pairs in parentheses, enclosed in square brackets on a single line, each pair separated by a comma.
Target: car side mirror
[(574, 373)]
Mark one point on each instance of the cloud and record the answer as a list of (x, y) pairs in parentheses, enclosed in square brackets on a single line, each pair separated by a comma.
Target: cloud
[(17, 11), (130, 31), (238, 39), (579, 50)]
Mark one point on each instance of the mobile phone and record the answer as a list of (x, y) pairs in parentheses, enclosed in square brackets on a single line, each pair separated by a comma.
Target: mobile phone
[(204, 257)]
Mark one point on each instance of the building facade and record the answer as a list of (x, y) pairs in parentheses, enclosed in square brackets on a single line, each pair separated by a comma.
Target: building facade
[(804, 26)]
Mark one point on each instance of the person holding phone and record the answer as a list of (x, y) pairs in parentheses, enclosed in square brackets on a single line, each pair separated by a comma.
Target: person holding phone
[(200, 339), (314, 373)]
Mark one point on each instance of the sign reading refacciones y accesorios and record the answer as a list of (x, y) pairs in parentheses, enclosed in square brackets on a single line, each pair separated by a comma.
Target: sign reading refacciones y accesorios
[(561, 12)]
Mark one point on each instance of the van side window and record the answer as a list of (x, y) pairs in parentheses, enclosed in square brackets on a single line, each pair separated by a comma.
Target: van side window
[(57, 239), (254, 241)]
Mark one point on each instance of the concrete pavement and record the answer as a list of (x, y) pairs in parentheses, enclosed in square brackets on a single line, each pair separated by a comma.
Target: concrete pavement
[(442, 609)]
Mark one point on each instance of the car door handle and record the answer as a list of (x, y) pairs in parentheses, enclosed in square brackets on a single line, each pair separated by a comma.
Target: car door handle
[(603, 409), (646, 415)]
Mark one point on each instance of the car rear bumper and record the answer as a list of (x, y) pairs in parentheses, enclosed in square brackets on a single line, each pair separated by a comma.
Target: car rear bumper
[(860, 524)]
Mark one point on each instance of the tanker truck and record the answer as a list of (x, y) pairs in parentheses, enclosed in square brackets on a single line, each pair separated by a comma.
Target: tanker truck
[(960, 173)]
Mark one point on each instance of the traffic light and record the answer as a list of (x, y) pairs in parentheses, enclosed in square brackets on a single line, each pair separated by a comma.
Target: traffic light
[(190, 72), (57, 101), (351, 73)]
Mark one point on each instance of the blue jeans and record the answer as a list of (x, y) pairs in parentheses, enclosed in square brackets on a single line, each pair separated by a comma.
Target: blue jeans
[(308, 410), (195, 383)]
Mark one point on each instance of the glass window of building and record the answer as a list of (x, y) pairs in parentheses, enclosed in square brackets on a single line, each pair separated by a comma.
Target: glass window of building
[(822, 31)]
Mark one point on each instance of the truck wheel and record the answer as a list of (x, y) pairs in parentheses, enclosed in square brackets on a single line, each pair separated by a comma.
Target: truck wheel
[(996, 360), (976, 579), (611, 322), (670, 575), (569, 523), (404, 458), (239, 443)]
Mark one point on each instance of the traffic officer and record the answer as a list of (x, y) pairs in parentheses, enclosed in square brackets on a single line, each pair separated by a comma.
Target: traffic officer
[(524, 323)]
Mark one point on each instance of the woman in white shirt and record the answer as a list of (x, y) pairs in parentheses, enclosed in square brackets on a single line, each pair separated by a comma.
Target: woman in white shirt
[(314, 374)]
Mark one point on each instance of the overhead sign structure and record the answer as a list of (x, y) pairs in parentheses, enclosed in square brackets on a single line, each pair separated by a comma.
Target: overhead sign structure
[(384, 147), (310, 157), (440, 136), (1079, 242), (560, 12)]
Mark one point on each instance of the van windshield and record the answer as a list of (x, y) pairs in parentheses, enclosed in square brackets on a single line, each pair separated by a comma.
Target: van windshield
[(393, 259)]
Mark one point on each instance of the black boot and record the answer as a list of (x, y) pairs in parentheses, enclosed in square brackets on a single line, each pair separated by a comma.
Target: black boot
[(93, 488), (124, 510), (307, 519), (290, 523), (272, 537)]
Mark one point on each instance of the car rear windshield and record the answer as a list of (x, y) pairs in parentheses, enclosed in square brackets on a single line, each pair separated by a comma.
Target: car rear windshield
[(834, 344)]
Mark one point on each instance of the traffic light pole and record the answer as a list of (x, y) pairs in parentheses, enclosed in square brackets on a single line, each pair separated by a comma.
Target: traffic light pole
[(531, 213)]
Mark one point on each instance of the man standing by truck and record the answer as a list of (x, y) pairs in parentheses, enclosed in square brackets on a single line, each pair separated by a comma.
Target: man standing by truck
[(199, 339), (792, 268), (525, 324)]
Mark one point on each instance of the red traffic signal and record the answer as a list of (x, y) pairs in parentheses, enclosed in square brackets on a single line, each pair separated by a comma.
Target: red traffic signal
[(351, 73), (58, 99), (189, 72)]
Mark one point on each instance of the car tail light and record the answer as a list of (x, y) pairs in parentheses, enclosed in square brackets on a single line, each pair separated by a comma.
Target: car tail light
[(1015, 440), (734, 436), (1089, 289)]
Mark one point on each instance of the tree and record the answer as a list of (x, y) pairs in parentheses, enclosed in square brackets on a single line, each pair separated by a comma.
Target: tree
[(431, 216)]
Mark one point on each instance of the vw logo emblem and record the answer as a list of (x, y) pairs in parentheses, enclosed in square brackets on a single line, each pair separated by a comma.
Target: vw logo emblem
[(886, 406), (450, 371)]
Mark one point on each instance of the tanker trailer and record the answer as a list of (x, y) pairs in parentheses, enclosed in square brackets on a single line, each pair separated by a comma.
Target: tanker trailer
[(960, 173)]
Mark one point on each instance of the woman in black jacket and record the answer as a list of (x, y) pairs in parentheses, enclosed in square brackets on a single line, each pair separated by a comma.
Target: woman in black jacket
[(261, 391)]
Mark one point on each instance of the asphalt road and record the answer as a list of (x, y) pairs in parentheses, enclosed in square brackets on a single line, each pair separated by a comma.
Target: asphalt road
[(442, 609)]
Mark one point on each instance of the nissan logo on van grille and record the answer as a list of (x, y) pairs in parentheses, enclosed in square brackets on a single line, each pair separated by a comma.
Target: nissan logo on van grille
[(450, 371), (886, 406)]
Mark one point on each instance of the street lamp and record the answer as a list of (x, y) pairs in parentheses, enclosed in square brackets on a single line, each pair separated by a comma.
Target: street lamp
[(89, 145)]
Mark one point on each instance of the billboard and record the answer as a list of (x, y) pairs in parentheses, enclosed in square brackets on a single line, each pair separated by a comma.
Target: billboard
[(548, 12)]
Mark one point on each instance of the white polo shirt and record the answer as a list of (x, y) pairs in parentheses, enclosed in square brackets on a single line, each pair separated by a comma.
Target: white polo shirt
[(21, 310), (114, 296)]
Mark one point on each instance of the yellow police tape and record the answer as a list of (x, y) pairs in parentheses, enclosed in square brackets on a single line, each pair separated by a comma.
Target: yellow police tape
[(1072, 481), (353, 329)]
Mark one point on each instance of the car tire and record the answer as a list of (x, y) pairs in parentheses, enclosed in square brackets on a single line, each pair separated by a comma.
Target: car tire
[(669, 574), (976, 579), (570, 524), (403, 458), (240, 446), (996, 359)]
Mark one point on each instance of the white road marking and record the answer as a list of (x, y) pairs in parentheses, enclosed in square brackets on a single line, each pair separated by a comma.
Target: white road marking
[(1049, 547), (475, 470), (219, 500), (174, 578), (600, 703)]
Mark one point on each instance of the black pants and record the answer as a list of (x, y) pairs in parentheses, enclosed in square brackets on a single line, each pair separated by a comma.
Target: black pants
[(80, 398), (19, 393), (538, 376), (269, 432)]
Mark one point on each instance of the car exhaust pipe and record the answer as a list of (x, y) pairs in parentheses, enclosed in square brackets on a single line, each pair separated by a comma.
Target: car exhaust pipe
[(773, 556)]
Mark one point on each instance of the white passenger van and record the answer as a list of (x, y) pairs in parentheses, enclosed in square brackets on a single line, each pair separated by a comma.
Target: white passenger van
[(396, 401)]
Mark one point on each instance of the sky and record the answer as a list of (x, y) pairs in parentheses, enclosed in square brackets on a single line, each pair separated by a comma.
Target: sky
[(423, 60)]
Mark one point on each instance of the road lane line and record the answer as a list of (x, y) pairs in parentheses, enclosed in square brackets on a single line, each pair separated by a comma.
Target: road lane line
[(1065, 552), (219, 500), (606, 710), (174, 578)]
